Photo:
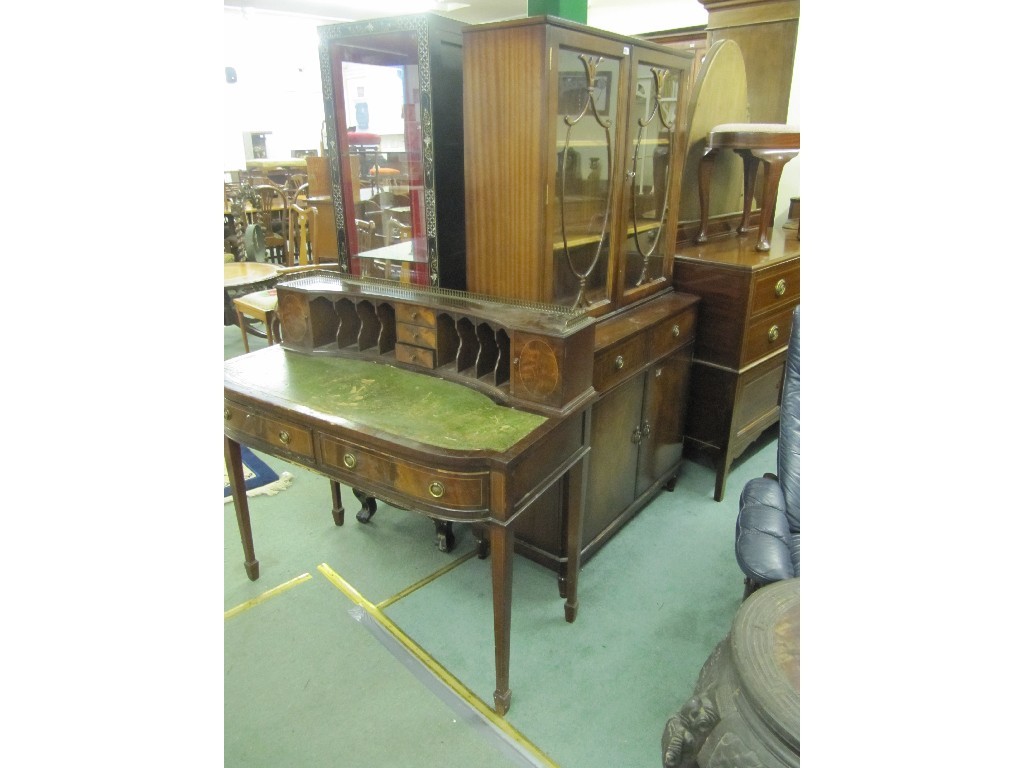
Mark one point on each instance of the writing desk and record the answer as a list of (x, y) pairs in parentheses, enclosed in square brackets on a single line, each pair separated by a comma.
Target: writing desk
[(422, 442)]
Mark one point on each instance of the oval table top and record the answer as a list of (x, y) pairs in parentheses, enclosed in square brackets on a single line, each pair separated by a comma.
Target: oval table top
[(238, 273)]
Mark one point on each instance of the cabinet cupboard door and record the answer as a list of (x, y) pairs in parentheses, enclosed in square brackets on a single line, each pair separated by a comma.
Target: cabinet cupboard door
[(664, 418), (613, 455)]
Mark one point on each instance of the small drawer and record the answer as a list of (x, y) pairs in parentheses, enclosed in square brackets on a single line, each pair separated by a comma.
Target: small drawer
[(407, 353), (451, 490), (356, 462), (768, 335), (416, 315), (673, 333), (417, 335), (445, 489), (280, 434), (776, 288), (619, 362)]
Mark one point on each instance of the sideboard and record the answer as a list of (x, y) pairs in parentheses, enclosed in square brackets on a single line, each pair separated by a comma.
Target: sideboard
[(746, 310)]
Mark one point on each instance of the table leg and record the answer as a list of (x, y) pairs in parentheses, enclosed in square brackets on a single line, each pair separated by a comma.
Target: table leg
[(707, 164), (576, 480), (774, 162), (233, 457), (245, 333), (338, 509), (503, 541), (750, 166)]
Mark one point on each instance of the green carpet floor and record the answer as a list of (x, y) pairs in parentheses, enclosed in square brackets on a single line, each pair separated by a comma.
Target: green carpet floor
[(309, 682)]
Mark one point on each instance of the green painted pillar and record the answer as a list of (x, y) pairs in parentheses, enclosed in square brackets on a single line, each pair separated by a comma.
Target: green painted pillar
[(573, 10)]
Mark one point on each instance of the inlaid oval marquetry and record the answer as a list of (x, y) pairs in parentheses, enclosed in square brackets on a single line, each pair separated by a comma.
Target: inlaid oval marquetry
[(538, 367)]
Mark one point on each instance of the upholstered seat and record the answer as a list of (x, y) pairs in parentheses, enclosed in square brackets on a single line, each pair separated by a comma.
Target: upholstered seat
[(773, 144), (259, 306), (768, 524)]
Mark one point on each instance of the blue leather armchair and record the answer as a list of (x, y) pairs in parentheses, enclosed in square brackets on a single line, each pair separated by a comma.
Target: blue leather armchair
[(768, 525)]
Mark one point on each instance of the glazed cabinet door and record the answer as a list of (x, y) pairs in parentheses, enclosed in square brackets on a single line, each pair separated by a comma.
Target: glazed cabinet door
[(657, 93), (587, 88)]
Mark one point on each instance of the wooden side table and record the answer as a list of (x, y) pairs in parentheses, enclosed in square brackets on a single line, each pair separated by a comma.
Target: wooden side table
[(768, 143)]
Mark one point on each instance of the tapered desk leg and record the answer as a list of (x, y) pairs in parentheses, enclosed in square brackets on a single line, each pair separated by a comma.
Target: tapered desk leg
[(233, 457), (503, 542), (338, 509), (577, 481)]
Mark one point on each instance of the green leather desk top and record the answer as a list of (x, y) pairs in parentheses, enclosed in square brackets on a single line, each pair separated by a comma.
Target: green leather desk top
[(415, 406)]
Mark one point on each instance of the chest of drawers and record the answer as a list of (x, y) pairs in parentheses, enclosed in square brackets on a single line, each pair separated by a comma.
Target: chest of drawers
[(746, 311)]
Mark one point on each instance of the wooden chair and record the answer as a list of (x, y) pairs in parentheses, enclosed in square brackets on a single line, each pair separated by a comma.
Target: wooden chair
[(301, 234), (261, 307), (400, 231), (366, 232), (270, 212), (258, 307), (295, 187)]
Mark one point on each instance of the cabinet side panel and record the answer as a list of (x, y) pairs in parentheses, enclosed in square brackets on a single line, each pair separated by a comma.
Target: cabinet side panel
[(723, 309), (504, 70)]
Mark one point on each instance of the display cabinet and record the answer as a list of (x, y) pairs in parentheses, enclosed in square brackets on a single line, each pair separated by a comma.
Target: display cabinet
[(572, 183), (393, 106), (572, 138)]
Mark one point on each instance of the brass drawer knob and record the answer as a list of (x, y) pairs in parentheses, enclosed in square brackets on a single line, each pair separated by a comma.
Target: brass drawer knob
[(227, 414), (436, 489), (780, 287), (675, 331), (284, 436), (349, 460), (773, 333), (619, 363)]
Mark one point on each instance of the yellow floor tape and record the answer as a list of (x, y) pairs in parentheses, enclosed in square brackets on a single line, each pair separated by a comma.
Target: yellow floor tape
[(266, 596), (436, 668)]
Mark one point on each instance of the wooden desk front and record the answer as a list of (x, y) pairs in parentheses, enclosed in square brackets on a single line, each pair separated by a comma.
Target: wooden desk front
[(423, 443)]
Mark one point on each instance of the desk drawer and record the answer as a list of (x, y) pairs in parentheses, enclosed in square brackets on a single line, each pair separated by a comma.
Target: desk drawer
[(281, 434), (619, 361), (414, 315), (417, 335), (775, 288), (768, 335), (437, 487), (407, 353), (672, 333)]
